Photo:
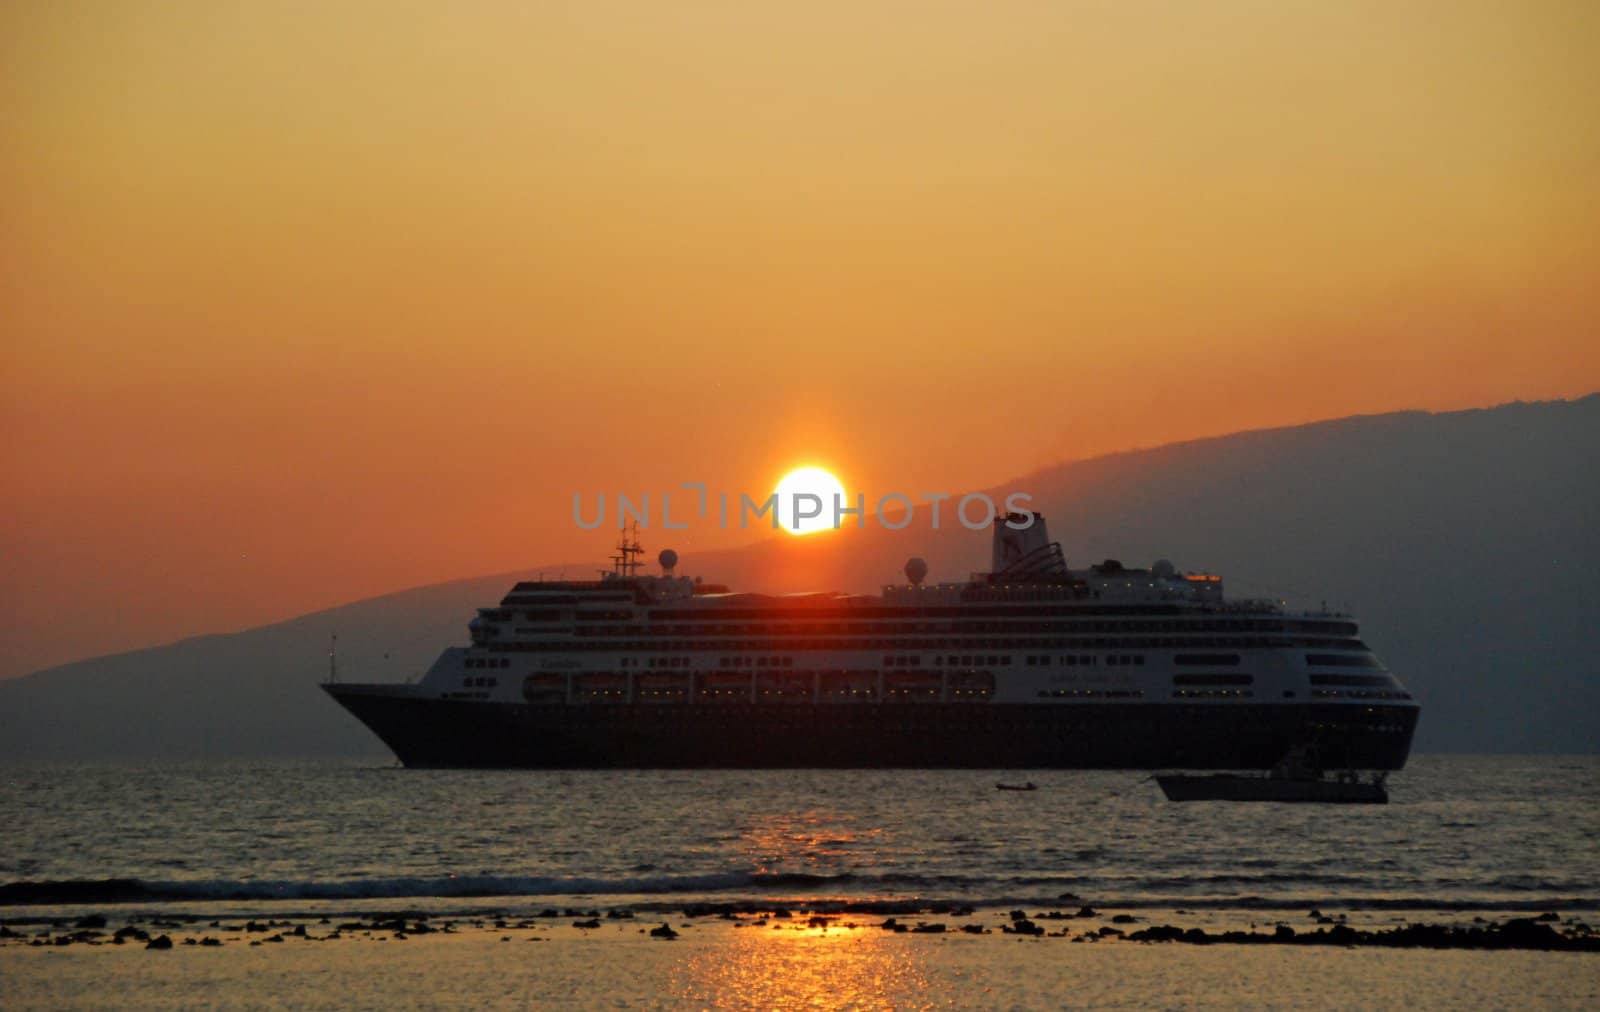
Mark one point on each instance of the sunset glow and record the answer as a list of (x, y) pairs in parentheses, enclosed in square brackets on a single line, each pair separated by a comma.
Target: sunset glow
[(305, 303)]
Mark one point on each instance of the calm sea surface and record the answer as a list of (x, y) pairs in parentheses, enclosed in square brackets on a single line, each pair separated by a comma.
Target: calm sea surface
[(1461, 833)]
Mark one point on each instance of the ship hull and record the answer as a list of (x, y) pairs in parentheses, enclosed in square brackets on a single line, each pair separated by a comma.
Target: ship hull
[(439, 733)]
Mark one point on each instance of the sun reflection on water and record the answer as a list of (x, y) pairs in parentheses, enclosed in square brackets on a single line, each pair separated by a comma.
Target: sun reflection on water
[(776, 966), (816, 841)]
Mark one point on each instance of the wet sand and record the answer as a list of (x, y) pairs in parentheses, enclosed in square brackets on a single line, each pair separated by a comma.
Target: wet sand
[(979, 958)]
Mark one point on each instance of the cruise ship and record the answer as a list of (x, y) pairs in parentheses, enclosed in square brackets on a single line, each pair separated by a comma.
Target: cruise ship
[(1032, 665)]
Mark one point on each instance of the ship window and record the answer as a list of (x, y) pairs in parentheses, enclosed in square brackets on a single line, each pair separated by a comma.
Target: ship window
[(1206, 660), (1342, 661), (1383, 680)]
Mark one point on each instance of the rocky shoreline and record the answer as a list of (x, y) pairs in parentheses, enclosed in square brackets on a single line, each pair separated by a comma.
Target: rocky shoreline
[(1547, 932)]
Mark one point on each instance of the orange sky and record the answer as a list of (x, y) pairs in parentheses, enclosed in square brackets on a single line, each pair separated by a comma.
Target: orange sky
[(306, 302)]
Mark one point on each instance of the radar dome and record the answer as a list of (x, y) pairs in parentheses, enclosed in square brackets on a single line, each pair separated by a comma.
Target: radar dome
[(668, 558), (916, 570), (1164, 569)]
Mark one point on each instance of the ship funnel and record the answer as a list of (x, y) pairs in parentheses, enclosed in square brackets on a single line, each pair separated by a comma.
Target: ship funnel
[(1023, 551)]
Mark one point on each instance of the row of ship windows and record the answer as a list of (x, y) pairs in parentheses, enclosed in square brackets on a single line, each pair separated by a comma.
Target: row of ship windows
[(1342, 661), (1137, 617), (1188, 681), (1386, 681), (929, 645), (923, 628), (1366, 681), (758, 662), (931, 693), (744, 693), (658, 662), (1359, 694), (991, 623), (739, 695), (999, 660)]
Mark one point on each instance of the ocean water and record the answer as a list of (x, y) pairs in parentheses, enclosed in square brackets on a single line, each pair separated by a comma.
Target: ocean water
[(1506, 834)]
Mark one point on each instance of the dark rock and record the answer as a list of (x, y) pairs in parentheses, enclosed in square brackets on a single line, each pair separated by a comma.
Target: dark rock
[(91, 921), (1019, 915), (928, 929), (1124, 919), (1158, 933), (974, 929), (1527, 933), (1087, 912), (163, 942), (1022, 927), (210, 942), (137, 934), (593, 922), (665, 931)]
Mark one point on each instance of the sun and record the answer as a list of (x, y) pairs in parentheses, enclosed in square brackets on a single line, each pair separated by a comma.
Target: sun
[(813, 481)]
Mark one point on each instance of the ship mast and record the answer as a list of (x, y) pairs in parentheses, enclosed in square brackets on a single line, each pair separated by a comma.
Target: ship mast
[(626, 562)]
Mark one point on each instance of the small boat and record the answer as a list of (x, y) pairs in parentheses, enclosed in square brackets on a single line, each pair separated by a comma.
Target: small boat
[(1029, 786), (1232, 787)]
